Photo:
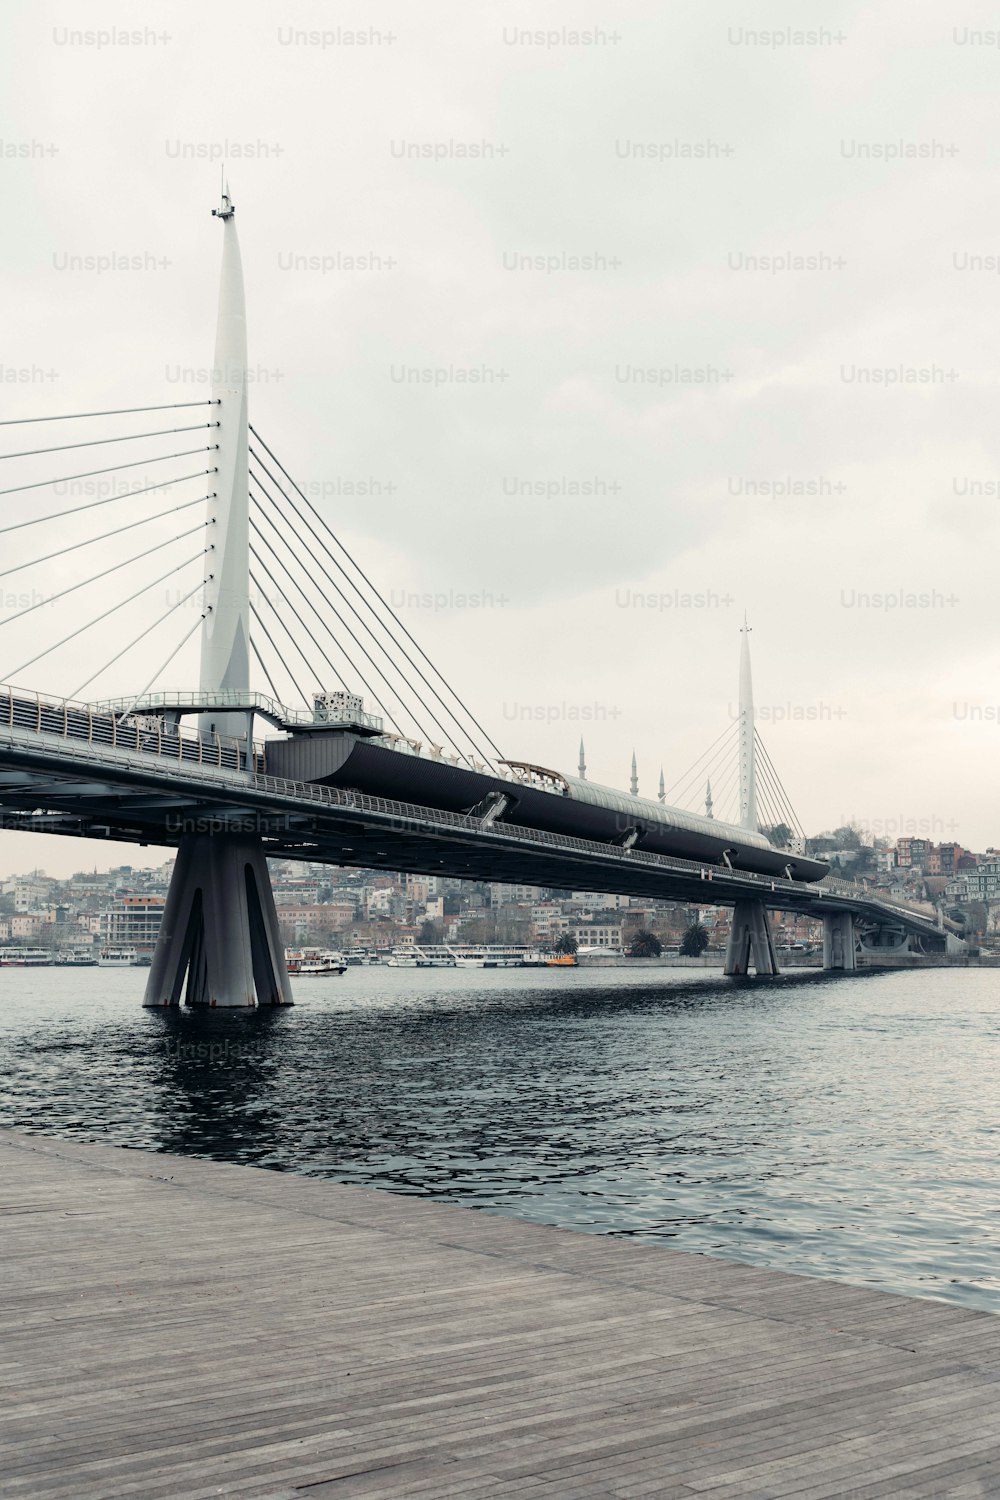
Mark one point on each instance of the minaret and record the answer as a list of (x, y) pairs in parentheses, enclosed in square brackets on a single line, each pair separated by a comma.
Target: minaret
[(708, 799), (582, 768), (635, 778), (225, 641), (662, 793), (748, 774)]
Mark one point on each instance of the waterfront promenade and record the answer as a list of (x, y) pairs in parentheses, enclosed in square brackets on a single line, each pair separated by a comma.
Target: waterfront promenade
[(174, 1327)]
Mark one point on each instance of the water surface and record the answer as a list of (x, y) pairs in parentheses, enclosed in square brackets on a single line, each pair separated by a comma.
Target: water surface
[(842, 1126)]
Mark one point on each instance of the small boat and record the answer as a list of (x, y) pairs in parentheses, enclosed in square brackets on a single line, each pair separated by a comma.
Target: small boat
[(564, 961), (317, 964), (117, 958)]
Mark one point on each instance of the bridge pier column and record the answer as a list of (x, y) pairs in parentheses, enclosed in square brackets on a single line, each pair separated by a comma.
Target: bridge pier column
[(219, 942), (838, 940), (750, 940)]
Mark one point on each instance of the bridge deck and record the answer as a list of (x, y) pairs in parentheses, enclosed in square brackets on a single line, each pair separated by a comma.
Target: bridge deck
[(57, 777), (174, 1327)]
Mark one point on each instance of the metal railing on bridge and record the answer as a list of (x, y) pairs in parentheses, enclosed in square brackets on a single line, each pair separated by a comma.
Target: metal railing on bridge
[(92, 724), (277, 713), (104, 736)]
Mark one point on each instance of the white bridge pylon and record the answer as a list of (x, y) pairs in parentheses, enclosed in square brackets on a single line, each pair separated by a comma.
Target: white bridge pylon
[(219, 943), (747, 738)]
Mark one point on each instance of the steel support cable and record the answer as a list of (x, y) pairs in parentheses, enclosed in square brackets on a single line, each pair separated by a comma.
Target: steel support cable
[(393, 689), (762, 796), (170, 658), (765, 784), (178, 604), (130, 437), (708, 763), (694, 800), (448, 736), (375, 698), (97, 576), (256, 614), (726, 789), (775, 820), (310, 666), (102, 536), (785, 815), (728, 780), (719, 763), (76, 510), (263, 666), (771, 798), (114, 608), (119, 411), (333, 668), (278, 588), (686, 776), (782, 795), (42, 484), (392, 614)]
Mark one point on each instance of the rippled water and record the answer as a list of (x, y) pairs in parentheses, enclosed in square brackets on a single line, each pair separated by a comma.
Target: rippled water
[(844, 1127)]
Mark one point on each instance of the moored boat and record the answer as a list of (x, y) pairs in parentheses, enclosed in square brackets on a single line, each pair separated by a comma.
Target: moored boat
[(24, 958), (314, 962), (117, 958)]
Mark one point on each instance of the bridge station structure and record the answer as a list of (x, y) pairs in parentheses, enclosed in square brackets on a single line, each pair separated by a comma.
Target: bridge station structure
[(334, 781)]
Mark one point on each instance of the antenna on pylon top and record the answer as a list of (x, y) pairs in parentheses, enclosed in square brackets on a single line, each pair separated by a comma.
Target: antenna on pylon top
[(227, 209)]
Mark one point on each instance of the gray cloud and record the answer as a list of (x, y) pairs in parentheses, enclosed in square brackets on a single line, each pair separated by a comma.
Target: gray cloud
[(687, 153)]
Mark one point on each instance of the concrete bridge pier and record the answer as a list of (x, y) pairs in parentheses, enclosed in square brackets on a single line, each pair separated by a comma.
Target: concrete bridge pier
[(838, 940), (750, 940), (219, 943)]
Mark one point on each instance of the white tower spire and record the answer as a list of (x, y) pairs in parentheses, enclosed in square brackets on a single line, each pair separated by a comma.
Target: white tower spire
[(748, 770), (225, 641), (583, 764), (708, 798), (635, 777), (662, 793)]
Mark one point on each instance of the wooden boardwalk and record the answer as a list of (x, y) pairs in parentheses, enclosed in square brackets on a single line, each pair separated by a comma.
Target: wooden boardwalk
[(179, 1328)]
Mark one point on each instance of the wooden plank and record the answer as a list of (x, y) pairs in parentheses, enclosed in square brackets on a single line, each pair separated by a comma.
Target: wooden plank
[(172, 1327)]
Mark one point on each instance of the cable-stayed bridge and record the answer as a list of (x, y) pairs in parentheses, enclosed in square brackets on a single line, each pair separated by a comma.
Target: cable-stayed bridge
[(319, 728)]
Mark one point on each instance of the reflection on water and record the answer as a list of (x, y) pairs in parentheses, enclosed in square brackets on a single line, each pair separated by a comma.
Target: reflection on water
[(845, 1127)]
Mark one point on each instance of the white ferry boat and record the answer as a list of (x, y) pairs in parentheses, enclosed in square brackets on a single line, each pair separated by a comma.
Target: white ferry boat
[(76, 958), (24, 958), (117, 958), (313, 962), (421, 956), (491, 956), (402, 958)]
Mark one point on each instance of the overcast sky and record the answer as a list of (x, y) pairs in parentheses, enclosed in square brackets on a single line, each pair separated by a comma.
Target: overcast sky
[(682, 148)]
